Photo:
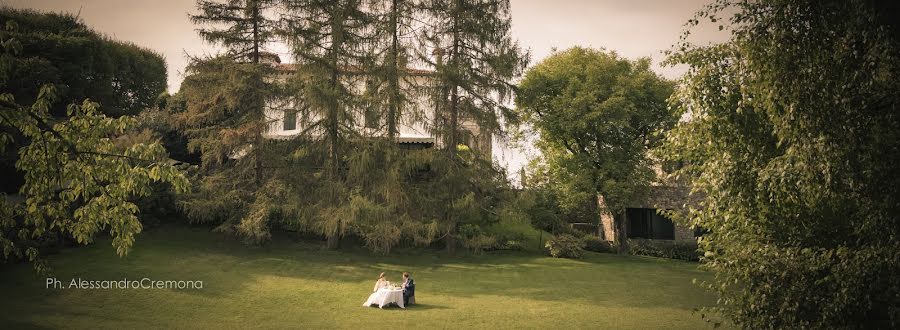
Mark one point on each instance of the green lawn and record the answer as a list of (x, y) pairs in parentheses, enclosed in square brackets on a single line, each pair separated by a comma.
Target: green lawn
[(297, 284)]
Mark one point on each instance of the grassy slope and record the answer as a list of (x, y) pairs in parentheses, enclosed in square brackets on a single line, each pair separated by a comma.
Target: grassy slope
[(295, 284), (534, 239)]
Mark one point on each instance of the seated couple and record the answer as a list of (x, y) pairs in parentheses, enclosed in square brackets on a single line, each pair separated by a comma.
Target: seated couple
[(386, 293)]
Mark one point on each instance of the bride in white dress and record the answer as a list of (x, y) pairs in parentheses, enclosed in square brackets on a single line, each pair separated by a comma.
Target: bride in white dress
[(373, 298)]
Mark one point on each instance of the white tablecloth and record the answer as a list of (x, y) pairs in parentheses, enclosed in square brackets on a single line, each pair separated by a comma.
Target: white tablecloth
[(384, 297)]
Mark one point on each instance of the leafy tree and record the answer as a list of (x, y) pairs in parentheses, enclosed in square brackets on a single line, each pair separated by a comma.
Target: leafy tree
[(465, 194), (60, 49), (572, 197), (597, 115), (476, 59), (160, 121), (793, 138), (79, 180)]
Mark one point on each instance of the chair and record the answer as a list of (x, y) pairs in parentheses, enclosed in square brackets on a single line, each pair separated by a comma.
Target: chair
[(411, 298)]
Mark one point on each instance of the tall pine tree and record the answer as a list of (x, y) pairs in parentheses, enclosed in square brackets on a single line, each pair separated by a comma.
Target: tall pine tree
[(396, 78), (330, 40), (224, 113), (476, 59), (242, 28)]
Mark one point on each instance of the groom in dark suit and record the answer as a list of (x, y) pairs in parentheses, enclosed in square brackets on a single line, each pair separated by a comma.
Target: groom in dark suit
[(409, 289)]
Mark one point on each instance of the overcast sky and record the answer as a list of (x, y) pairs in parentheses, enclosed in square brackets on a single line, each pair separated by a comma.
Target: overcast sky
[(633, 28)]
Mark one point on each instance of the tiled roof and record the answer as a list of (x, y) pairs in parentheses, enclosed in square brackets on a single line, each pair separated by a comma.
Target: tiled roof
[(291, 67)]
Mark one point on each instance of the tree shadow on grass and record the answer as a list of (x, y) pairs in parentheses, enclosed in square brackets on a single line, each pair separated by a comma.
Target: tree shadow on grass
[(425, 307), (600, 279), (15, 324), (413, 308), (230, 270)]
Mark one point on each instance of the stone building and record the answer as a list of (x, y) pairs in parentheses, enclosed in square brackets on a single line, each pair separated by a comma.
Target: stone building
[(642, 219), (415, 128)]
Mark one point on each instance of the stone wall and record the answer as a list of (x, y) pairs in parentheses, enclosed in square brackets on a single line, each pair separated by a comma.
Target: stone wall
[(676, 198), (683, 233)]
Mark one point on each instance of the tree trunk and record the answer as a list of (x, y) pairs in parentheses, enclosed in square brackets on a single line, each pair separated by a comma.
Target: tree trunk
[(257, 152), (540, 239), (620, 232), (454, 126), (334, 242), (450, 241), (333, 124), (393, 76)]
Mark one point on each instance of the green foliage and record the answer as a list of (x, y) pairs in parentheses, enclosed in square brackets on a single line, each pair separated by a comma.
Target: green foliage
[(62, 50), (334, 178), (565, 246), (567, 196), (392, 89), (473, 238), (78, 181), (683, 250), (222, 110), (216, 117), (792, 136), (160, 120), (478, 58), (595, 244), (514, 229), (227, 134), (597, 115), (82, 173), (514, 242), (328, 39), (239, 26), (393, 196)]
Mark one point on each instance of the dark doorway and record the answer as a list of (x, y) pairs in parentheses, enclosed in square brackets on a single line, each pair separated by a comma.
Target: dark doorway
[(646, 223)]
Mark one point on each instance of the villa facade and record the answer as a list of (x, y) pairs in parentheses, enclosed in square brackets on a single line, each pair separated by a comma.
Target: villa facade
[(415, 129)]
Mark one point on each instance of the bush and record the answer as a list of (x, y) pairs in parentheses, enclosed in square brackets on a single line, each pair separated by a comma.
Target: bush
[(565, 246), (513, 242), (682, 250), (595, 244), (512, 245), (479, 243)]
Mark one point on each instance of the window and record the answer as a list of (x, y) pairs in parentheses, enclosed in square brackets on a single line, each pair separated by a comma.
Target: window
[(290, 120), (646, 223), (370, 110)]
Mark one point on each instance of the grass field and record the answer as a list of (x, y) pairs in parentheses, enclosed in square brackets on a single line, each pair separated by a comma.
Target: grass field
[(290, 283)]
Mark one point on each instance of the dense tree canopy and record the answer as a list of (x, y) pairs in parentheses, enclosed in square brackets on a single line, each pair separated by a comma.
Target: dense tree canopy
[(81, 176), (329, 39), (475, 59), (597, 116), (342, 173), (60, 49), (224, 101), (394, 89), (793, 135)]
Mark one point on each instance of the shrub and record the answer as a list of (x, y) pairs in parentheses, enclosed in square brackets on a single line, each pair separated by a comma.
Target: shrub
[(479, 243), (565, 246), (595, 244), (682, 250), (511, 245), (513, 242)]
